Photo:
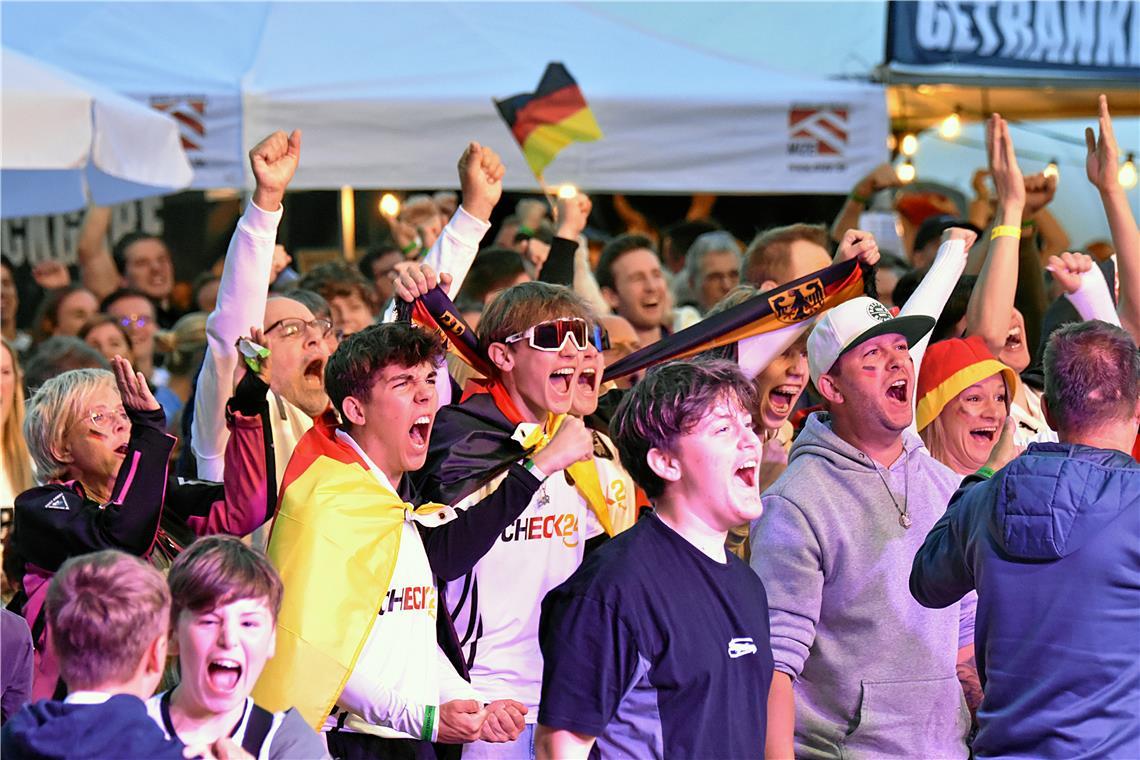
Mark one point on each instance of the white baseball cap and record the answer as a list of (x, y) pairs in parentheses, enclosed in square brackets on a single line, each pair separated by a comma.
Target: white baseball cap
[(852, 322)]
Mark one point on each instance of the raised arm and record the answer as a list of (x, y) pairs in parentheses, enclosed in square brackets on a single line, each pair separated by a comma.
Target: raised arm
[(1102, 167), (97, 269), (882, 177), (242, 294), (991, 304)]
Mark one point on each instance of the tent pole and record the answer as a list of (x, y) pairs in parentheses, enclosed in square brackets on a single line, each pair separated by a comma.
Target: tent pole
[(348, 223)]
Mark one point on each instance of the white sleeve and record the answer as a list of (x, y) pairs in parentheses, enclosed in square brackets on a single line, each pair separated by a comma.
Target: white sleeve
[(755, 353), (363, 695), (242, 294), (451, 684), (1092, 299), (453, 252), (934, 291)]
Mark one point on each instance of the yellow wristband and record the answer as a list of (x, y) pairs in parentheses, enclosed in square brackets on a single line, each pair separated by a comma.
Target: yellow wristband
[(1006, 230)]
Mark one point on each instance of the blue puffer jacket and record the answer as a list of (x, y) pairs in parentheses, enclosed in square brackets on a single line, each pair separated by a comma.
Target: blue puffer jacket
[(1052, 544)]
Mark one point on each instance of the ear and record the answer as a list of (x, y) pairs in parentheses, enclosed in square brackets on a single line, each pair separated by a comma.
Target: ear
[(62, 453), (501, 356), (664, 465), (828, 388), (155, 659), (611, 297), (353, 410), (767, 285), (272, 643)]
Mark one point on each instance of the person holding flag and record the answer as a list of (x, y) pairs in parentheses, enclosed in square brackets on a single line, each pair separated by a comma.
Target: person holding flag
[(357, 650)]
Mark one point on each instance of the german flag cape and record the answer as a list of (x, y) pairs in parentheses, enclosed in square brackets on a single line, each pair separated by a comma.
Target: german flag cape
[(550, 118), (787, 305), (335, 543), (435, 311)]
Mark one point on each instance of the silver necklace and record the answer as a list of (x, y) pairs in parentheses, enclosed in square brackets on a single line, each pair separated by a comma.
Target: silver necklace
[(904, 510)]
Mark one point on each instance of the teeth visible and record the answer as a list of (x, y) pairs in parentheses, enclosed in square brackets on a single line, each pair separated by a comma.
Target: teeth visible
[(227, 663), (749, 465), (898, 384), (422, 420), (564, 371)]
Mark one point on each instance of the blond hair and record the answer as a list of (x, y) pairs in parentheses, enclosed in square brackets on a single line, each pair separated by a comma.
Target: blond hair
[(104, 610), (54, 408), (17, 460)]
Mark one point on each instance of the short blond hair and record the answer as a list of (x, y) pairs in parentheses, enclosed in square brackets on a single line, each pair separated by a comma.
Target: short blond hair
[(55, 407), (104, 610)]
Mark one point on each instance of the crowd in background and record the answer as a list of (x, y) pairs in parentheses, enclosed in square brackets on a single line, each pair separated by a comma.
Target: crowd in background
[(515, 606)]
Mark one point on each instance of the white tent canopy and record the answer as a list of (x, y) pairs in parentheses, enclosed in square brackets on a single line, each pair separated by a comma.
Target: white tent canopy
[(388, 94), (64, 141)]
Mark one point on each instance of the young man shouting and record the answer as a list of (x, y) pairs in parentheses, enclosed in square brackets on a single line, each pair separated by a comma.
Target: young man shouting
[(356, 642), (658, 645)]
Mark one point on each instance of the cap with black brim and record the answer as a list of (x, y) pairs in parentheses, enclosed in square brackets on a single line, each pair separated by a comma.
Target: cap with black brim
[(914, 328)]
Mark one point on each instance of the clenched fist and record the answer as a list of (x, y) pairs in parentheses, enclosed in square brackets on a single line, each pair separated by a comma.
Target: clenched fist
[(274, 161), (572, 215), (1068, 268), (572, 443), (858, 244), (481, 180)]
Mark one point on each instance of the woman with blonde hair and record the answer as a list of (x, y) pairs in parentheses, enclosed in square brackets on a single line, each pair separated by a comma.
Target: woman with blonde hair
[(16, 469)]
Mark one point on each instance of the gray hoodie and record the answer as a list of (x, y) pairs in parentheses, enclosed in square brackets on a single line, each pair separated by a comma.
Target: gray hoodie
[(874, 672)]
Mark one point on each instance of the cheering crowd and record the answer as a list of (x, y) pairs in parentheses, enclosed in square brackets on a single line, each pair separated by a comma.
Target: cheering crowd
[(439, 505)]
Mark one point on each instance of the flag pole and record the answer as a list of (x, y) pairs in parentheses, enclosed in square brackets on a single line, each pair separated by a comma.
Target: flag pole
[(551, 195)]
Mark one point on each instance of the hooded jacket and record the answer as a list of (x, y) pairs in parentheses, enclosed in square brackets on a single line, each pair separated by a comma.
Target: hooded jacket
[(1052, 544), (119, 727), (874, 672)]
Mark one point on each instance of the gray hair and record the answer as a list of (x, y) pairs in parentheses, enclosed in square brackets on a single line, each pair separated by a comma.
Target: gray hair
[(56, 406), (1092, 375), (710, 242)]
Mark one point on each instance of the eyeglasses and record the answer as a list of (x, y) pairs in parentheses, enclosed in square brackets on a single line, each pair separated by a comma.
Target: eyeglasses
[(295, 326), (135, 320), (552, 335), (104, 419)]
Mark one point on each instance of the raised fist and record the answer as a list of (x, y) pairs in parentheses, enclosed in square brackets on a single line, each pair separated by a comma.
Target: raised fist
[(960, 233), (1039, 192), (572, 443), (858, 244), (1068, 268), (274, 161), (481, 180), (572, 215)]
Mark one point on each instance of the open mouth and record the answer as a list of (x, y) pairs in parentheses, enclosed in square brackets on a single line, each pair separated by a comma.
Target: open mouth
[(1013, 340), (747, 474), (782, 397), (224, 674), (897, 391), (561, 379), (122, 450), (419, 431), (586, 380), (315, 371), (984, 435)]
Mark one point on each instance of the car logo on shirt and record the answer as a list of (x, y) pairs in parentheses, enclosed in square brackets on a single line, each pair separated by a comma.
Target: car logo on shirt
[(740, 647)]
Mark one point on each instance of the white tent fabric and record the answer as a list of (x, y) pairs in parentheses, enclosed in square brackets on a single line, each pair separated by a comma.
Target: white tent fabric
[(64, 141), (388, 94)]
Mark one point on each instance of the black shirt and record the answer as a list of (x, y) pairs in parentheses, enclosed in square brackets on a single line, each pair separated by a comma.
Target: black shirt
[(658, 650)]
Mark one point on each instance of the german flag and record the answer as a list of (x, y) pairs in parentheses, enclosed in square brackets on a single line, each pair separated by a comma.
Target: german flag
[(550, 118), (789, 304)]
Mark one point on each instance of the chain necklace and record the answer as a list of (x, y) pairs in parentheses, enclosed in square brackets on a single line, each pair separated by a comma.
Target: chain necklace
[(904, 510)]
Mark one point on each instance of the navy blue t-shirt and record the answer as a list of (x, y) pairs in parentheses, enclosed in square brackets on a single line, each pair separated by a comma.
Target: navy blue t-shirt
[(658, 650)]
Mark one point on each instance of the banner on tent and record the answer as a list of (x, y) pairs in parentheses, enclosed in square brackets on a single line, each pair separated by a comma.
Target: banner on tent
[(210, 127), (1071, 37), (817, 137)]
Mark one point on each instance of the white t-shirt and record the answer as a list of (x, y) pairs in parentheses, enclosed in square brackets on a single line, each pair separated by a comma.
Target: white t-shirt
[(496, 607)]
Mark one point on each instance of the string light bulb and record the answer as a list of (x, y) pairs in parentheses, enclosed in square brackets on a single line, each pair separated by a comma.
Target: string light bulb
[(1127, 174), (566, 192), (892, 141), (389, 205), (951, 126), (905, 172), (909, 144), (1052, 170)]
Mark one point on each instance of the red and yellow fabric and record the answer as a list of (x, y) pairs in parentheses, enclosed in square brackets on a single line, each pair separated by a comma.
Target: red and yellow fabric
[(550, 118), (335, 544), (950, 367)]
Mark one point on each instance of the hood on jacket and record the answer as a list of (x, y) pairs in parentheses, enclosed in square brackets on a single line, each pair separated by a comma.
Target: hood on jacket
[(119, 727), (1056, 496), (818, 439)]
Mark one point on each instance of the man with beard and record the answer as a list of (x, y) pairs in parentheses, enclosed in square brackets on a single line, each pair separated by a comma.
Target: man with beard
[(873, 672)]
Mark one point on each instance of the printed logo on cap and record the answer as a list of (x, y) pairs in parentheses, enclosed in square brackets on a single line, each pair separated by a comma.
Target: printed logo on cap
[(878, 312)]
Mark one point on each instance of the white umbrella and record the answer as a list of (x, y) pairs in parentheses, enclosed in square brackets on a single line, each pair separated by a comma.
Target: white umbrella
[(65, 141)]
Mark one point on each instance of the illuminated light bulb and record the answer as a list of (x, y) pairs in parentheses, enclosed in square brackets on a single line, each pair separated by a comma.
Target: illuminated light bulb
[(567, 191), (1127, 174), (389, 204), (951, 126), (905, 172), (909, 145), (892, 141), (1052, 170)]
